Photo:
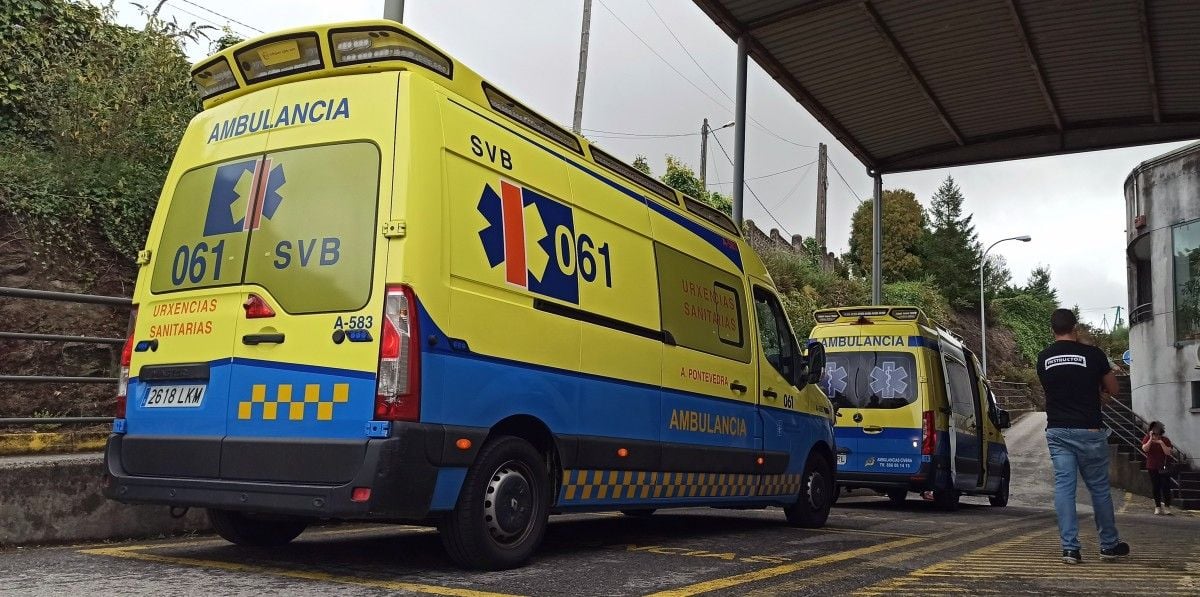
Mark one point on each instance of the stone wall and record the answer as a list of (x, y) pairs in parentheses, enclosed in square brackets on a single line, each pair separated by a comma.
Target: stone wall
[(761, 241)]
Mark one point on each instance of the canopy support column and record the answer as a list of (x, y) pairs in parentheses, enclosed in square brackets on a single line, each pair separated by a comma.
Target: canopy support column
[(877, 240), (739, 130)]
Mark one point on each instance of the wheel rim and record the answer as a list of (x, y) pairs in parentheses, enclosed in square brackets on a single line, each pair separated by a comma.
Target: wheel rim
[(509, 503), (818, 493)]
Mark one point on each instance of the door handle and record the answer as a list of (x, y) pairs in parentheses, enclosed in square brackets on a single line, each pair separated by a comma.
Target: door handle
[(738, 387), (253, 339), (872, 429), (770, 394)]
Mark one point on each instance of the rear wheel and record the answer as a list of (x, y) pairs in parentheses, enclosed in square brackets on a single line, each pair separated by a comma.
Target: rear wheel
[(242, 529), (946, 499), (1000, 500), (898, 496), (816, 494), (501, 512), (638, 512)]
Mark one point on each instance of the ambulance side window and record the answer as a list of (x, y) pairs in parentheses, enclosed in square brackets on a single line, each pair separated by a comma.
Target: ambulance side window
[(775, 335), (702, 306)]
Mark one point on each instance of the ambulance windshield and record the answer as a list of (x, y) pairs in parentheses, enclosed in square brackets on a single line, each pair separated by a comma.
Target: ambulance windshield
[(870, 379)]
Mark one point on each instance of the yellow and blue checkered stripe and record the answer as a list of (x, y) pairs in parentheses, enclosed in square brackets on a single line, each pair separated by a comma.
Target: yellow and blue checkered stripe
[(609, 485), (269, 407)]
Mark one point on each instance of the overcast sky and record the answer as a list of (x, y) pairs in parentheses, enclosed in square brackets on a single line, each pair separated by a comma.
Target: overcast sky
[(1073, 205)]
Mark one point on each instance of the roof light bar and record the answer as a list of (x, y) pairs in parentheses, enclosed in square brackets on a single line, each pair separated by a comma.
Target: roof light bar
[(279, 57), (905, 314), (825, 316), (214, 78), (862, 313), (356, 46)]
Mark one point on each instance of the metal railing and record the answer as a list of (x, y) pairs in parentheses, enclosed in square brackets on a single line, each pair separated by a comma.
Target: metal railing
[(67, 297), (1140, 313), (1120, 418), (1009, 392)]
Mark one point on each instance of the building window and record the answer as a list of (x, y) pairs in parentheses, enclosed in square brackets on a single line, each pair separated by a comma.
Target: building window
[(1186, 251), (1195, 395)]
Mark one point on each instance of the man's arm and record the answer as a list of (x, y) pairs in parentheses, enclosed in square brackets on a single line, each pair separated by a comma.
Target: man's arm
[(1108, 384)]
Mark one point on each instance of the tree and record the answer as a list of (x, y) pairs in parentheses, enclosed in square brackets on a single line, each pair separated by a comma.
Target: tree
[(903, 230), (639, 162), (952, 250), (1039, 284), (680, 176), (997, 278)]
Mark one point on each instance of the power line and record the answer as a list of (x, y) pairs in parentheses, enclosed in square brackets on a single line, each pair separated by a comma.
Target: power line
[(689, 81), (625, 134), (710, 79), (848, 187), (227, 18), (752, 193), (794, 188), (196, 16), (793, 169)]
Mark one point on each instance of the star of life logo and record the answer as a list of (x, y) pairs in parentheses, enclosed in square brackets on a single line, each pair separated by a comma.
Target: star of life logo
[(243, 193), (533, 237), (834, 381), (888, 381)]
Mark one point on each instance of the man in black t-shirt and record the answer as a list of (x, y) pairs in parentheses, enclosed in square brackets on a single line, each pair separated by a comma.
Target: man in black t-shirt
[(1073, 375)]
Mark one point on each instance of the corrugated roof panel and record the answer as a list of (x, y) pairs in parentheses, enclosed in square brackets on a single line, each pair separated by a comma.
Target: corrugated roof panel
[(1102, 58), (1175, 26), (972, 60), (967, 61)]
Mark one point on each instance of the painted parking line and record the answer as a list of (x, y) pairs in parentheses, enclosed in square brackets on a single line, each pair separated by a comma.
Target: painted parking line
[(140, 553), (776, 571), (1030, 562)]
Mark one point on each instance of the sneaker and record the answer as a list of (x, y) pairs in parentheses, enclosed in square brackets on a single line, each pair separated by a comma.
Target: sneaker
[(1166, 510), (1072, 556), (1158, 511), (1120, 550)]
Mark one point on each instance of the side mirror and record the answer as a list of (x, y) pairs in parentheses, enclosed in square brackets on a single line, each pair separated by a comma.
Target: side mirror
[(1003, 420), (816, 362)]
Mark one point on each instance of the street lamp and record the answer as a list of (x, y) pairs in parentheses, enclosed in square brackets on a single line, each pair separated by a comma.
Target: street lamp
[(983, 301), (704, 130)]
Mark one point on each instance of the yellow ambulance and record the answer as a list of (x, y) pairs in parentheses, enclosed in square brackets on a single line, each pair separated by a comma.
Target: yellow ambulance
[(913, 412), (377, 287)]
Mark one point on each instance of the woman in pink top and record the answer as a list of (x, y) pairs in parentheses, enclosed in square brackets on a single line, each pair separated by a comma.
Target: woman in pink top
[(1158, 454)]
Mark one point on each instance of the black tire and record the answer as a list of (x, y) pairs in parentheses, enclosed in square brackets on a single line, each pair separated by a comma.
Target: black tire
[(241, 529), (835, 494), (946, 499), (816, 494), (497, 534), (1000, 500), (898, 496), (639, 512)]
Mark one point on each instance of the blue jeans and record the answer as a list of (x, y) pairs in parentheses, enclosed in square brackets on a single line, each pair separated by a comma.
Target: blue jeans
[(1085, 452)]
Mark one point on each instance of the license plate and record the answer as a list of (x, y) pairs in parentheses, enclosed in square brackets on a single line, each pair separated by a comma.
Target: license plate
[(180, 396), (841, 459)]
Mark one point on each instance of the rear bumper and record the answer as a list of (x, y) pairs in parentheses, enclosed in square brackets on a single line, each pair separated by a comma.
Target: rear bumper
[(925, 478), (401, 470)]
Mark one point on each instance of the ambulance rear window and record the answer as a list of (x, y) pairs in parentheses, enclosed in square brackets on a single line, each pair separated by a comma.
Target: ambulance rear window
[(307, 214), (870, 379)]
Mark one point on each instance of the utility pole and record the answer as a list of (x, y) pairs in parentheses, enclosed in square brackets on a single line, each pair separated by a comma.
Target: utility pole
[(394, 10), (1117, 321), (704, 154), (822, 187), (584, 34)]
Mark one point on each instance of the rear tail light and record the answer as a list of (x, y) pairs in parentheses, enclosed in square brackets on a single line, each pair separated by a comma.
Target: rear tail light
[(928, 434), (398, 391), (256, 307), (126, 358)]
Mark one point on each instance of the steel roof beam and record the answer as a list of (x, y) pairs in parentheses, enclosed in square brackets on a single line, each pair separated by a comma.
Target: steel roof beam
[(1035, 64), (913, 74), (1148, 54)]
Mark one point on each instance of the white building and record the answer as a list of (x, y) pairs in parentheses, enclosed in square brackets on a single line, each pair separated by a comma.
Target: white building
[(1162, 197)]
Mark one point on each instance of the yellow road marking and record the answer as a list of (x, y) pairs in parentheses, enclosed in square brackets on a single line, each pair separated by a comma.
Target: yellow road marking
[(134, 553), (866, 532), (307, 535), (774, 571), (1125, 503)]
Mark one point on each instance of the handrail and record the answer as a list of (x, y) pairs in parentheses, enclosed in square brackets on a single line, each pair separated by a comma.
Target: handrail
[(69, 297), (1140, 313), (1115, 410)]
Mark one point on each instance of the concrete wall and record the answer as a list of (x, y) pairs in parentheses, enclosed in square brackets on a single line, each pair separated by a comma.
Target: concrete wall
[(1166, 190), (54, 499)]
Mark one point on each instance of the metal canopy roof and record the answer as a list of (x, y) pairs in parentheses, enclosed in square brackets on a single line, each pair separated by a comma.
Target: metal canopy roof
[(908, 85)]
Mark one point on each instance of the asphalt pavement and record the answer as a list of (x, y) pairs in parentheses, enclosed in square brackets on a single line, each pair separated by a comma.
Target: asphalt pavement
[(869, 547)]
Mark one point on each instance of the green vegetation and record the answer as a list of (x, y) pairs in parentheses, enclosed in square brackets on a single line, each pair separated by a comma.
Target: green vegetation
[(90, 114)]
